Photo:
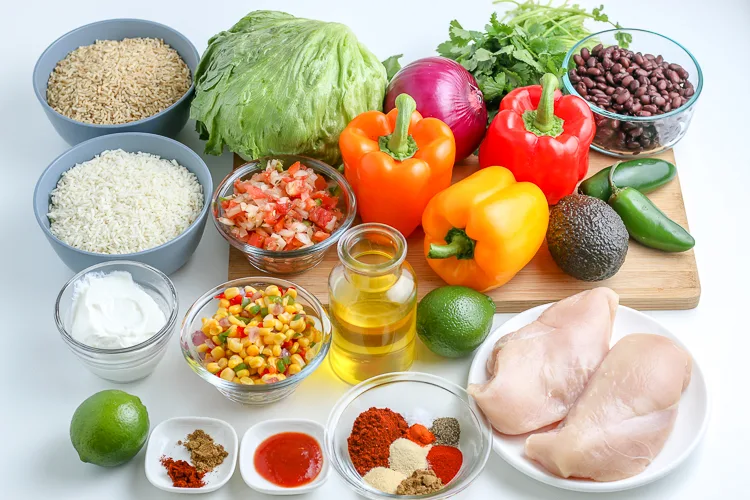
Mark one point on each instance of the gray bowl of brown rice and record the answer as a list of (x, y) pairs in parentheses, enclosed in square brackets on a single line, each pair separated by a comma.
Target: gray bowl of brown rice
[(118, 75), (130, 196)]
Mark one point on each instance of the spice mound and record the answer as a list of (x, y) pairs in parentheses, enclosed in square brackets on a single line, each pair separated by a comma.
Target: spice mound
[(396, 458), (205, 454), (372, 434), (420, 482), (182, 474)]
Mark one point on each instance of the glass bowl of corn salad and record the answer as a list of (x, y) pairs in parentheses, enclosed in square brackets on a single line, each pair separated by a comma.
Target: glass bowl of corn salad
[(284, 212), (255, 339)]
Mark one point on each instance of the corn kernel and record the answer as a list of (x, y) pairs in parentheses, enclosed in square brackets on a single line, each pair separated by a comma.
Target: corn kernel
[(318, 336), (273, 290), (299, 307), (217, 352), (290, 310), (269, 378), (297, 325), (279, 338), (234, 344), (216, 340), (294, 348), (271, 362), (252, 350), (269, 322), (234, 361), (250, 290), (243, 373), (232, 331), (224, 303), (227, 374), (264, 331), (202, 348), (278, 325), (247, 360), (297, 359), (213, 367), (276, 350), (267, 352), (294, 369), (254, 322), (292, 292), (231, 292), (242, 353), (221, 311), (259, 381), (256, 362), (309, 355), (288, 334), (304, 342), (234, 321), (222, 362), (246, 381), (235, 309)]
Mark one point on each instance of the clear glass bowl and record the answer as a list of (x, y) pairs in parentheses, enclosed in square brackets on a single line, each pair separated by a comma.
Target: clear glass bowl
[(420, 398), (205, 307), (294, 261), (650, 135), (129, 363)]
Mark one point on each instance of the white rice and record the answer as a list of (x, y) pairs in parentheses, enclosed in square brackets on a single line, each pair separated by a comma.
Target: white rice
[(122, 202)]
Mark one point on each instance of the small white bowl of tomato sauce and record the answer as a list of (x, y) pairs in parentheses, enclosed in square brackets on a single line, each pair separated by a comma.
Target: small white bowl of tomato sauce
[(284, 457)]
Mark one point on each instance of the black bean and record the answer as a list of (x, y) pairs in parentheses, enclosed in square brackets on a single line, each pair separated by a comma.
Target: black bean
[(578, 60), (650, 108), (641, 72), (633, 145), (621, 98), (616, 68), (661, 84), (607, 63), (689, 92), (601, 86), (639, 59), (636, 107), (675, 67), (597, 48), (595, 91), (609, 90), (585, 53), (588, 82), (659, 100), (675, 77), (659, 59), (672, 95), (683, 74), (650, 57), (593, 71), (643, 113), (581, 88), (667, 107), (676, 102), (635, 132), (624, 61), (640, 91), (600, 79), (634, 85), (626, 81), (591, 61)]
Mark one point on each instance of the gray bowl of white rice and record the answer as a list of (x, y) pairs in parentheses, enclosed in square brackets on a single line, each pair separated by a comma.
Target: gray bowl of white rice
[(117, 75), (129, 196)]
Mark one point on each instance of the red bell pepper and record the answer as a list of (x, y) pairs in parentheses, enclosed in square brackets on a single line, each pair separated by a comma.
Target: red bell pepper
[(542, 137)]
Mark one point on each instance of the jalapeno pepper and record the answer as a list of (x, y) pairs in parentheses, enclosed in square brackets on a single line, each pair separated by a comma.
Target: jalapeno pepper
[(643, 174), (645, 222)]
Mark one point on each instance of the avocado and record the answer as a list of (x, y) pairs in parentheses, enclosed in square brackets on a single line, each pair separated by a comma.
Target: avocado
[(586, 238)]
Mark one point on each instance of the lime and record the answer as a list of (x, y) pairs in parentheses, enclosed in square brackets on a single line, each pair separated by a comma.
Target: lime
[(452, 321), (109, 428)]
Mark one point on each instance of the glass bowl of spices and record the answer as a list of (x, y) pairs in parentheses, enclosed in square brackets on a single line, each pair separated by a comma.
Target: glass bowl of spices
[(255, 339), (117, 317), (643, 95), (407, 435)]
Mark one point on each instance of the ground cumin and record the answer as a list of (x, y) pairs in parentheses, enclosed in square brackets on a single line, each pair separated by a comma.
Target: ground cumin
[(204, 453)]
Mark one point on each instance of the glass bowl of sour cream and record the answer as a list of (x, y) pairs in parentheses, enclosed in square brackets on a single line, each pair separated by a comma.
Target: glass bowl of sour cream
[(117, 317)]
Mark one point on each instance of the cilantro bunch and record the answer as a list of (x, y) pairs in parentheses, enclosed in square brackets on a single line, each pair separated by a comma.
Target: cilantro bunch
[(515, 51)]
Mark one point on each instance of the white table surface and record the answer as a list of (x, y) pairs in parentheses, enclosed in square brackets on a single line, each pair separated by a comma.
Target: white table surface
[(45, 383)]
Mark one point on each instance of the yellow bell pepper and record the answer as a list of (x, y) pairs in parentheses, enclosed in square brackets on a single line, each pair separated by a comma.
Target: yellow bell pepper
[(482, 230)]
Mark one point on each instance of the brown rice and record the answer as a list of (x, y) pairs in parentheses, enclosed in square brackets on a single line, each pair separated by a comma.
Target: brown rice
[(112, 81)]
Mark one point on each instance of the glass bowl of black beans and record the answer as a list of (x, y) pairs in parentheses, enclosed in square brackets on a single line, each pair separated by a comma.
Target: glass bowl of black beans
[(643, 96)]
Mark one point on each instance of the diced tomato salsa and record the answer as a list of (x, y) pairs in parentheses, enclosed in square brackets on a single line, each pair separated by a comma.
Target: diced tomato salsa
[(281, 210)]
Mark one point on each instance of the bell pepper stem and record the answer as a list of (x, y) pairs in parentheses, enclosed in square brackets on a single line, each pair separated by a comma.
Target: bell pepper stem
[(458, 245), (542, 120), (400, 145)]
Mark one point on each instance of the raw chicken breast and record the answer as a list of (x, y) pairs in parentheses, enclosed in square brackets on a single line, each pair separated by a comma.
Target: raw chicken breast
[(625, 415), (539, 371)]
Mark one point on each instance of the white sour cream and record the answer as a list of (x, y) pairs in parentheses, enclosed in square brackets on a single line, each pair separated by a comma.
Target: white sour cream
[(111, 311)]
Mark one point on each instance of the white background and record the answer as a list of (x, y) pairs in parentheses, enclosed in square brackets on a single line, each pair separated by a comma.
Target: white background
[(44, 383)]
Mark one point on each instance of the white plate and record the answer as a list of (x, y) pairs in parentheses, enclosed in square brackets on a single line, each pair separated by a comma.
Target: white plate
[(691, 423), (262, 431), (163, 441)]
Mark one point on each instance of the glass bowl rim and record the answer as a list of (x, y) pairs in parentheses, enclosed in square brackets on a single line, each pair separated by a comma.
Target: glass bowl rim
[(421, 378), (229, 386), (614, 116), (165, 331), (258, 164)]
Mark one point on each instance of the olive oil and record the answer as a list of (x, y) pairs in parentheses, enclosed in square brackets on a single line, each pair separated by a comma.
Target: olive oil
[(373, 300)]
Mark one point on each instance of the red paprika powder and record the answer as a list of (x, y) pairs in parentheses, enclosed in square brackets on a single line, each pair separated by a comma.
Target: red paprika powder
[(445, 462), (372, 434), (182, 474)]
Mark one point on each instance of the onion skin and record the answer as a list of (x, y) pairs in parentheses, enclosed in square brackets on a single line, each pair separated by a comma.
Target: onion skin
[(443, 89)]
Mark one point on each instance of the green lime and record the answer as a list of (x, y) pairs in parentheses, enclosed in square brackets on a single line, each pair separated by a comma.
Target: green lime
[(109, 428), (452, 321)]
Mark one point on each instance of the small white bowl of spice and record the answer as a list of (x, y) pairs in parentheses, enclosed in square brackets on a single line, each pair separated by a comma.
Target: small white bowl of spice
[(191, 454), (117, 317)]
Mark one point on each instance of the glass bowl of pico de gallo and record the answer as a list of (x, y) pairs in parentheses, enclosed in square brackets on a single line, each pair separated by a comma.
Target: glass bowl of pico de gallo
[(255, 339), (284, 212)]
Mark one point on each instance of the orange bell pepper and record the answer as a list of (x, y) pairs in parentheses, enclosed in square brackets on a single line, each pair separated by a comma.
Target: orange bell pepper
[(396, 162), (484, 229)]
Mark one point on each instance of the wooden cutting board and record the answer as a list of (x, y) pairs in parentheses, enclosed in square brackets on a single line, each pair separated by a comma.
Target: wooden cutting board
[(649, 279)]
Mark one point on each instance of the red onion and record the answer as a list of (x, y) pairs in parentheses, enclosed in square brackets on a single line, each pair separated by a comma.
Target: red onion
[(443, 89)]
